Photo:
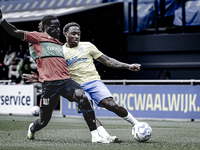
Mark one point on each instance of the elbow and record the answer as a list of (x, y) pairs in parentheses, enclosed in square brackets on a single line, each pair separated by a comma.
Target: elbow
[(16, 34)]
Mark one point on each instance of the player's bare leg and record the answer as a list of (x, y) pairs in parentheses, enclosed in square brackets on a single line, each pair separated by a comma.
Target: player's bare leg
[(110, 104)]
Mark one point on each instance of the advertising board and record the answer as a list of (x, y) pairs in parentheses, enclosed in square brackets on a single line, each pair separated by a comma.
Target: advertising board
[(16, 99), (150, 101)]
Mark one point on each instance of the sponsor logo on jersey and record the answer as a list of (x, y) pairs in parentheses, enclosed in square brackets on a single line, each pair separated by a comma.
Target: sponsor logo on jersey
[(56, 49), (81, 49), (74, 60)]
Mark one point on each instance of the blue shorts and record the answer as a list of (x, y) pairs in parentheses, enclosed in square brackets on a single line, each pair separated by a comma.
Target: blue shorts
[(96, 91)]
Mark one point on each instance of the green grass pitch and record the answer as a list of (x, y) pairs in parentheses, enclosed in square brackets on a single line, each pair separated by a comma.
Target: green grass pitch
[(72, 134)]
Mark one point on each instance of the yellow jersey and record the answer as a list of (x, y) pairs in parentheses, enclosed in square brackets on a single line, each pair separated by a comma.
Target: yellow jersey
[(80, 62)]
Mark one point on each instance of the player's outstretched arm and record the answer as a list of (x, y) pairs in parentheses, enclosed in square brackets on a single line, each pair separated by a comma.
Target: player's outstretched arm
[(12, 30), (113, 63), (33, 77)]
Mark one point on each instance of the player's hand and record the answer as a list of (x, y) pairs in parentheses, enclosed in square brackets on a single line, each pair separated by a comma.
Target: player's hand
[(33, 77), (1, 15), (134, 67)]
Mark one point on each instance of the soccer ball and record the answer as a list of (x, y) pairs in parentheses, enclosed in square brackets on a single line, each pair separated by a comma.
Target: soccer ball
[(35, 110), (142, 132)]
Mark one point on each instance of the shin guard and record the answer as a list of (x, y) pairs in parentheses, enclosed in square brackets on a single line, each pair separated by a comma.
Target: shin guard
[(88, 114)]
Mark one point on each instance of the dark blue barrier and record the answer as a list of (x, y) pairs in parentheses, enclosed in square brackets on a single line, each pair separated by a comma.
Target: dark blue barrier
[(150, 101)]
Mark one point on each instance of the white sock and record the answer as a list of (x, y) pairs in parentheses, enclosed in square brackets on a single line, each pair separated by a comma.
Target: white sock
[(94, 133), (130, 119), (102, 132)]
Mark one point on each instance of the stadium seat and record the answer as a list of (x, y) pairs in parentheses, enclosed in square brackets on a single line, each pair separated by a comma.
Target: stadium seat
[(17, 5), (192, 14)]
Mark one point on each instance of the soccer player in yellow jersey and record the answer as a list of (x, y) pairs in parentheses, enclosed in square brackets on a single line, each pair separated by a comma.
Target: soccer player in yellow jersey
[(79, 58)]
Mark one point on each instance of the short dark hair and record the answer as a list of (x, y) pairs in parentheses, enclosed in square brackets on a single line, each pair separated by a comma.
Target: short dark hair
[(46, 20), (67, 26)]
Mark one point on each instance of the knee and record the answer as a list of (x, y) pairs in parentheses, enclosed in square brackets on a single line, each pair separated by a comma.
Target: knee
[(83, 102), (110, 104), (80, 96), (78, 93), (114, 107)]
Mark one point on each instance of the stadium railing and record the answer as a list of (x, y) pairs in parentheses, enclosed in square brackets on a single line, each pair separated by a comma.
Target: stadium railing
[(152, 82)]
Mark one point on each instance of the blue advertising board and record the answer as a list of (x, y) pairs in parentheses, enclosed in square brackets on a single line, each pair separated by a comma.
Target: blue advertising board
[(150, 101)]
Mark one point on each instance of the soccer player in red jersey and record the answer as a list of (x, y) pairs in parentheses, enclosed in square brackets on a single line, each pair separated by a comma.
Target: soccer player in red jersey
[(46, 50)]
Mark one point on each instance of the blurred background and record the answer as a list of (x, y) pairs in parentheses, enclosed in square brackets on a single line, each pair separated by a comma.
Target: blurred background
[(162, 35)]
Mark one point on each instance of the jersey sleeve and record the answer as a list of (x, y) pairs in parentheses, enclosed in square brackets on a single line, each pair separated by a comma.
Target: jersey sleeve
[(94, 51), (31, 37)]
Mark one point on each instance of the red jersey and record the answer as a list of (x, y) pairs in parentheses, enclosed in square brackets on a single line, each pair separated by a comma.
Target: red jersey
[(48, 54)]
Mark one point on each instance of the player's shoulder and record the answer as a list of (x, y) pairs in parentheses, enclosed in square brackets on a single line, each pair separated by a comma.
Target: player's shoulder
[(35, 33), (85, 43), (32, 36), (64, 45)]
